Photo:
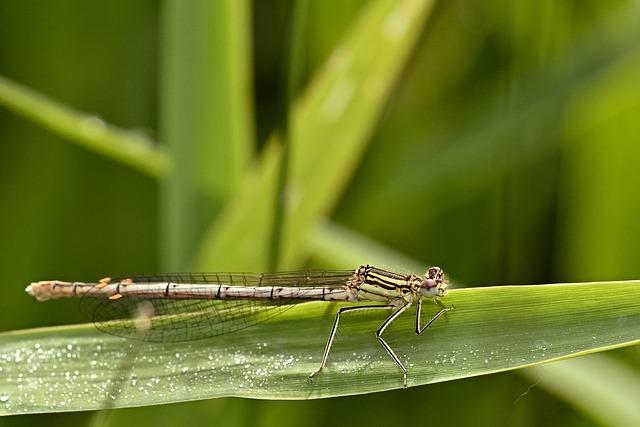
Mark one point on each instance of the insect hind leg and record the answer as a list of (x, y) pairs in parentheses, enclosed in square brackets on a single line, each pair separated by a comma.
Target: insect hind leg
[(334, 329)]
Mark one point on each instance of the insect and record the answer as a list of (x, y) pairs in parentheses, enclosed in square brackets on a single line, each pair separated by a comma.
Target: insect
[(192, 306)]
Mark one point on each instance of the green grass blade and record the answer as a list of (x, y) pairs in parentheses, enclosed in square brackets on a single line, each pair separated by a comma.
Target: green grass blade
[(130, 148), (604, 388), (206, 117), (335, 245), (330, 126), (492, 329), (332, 123)]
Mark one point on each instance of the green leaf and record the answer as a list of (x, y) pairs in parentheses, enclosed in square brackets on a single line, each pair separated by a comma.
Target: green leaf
[(491, 330), (330, 127), (131, 148), (206, 118), (602, 387)]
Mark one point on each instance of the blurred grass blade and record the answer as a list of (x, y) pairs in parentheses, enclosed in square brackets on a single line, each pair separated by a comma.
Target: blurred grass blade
[(492, 329), (90, 131), (334, 245), (333, 121), (604, 388), (330, 124), (206, 117)]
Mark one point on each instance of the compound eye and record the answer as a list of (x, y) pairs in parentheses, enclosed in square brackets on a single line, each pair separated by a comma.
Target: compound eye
[(435, 274), (433, 284)]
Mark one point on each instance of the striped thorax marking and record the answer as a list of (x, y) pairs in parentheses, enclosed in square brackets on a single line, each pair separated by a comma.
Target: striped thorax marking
[(374, 284)]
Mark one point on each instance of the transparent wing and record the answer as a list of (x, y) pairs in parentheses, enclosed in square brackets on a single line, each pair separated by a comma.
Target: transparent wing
[(174, 320)]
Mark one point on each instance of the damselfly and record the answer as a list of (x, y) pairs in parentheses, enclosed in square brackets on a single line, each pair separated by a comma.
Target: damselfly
[(184, 307)]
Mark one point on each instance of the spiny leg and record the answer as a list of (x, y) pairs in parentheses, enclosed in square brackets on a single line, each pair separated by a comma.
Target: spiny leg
[(334, 329), (419, 330), (386, 346), (380, 330), (442, 311)]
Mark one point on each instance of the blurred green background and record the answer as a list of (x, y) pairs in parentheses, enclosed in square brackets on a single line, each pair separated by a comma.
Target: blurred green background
[(507, 150)]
